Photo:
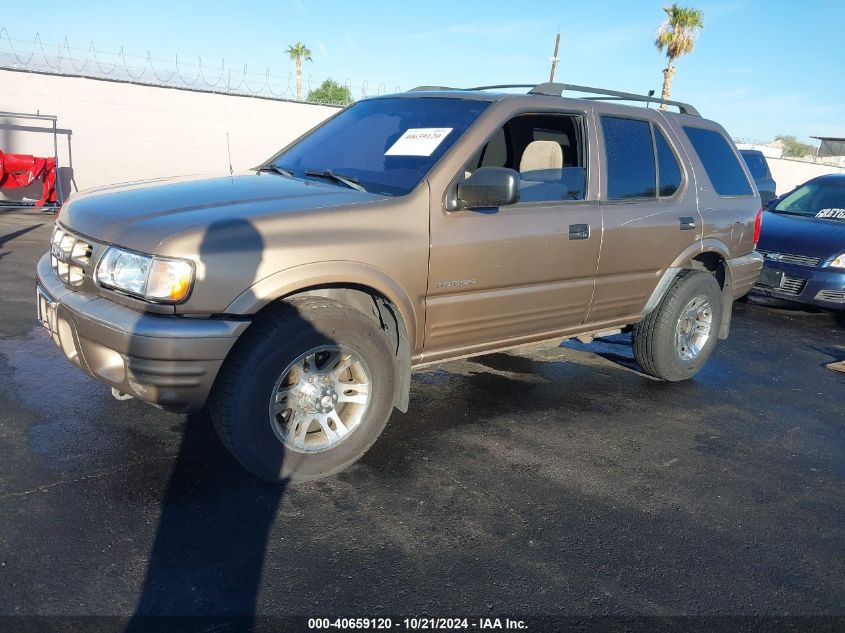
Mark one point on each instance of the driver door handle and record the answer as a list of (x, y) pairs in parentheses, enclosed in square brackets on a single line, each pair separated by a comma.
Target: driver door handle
[(687, 223), (579, 231)]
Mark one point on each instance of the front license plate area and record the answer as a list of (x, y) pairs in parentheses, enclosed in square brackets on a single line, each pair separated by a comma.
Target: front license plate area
[(45, 310), (770, 278)]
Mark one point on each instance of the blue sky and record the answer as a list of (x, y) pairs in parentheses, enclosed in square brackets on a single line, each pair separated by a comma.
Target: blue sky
[(760, 67)]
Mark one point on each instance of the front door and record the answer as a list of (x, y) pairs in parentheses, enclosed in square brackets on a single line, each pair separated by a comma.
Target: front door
[(523, 272)]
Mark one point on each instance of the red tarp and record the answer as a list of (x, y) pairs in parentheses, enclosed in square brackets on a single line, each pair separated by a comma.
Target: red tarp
[(21, 170)]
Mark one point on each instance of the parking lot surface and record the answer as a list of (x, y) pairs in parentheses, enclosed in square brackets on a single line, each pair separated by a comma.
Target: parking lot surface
[(539, 483)]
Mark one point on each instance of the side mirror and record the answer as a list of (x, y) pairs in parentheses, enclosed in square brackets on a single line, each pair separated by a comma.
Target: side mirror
[(489, 187)]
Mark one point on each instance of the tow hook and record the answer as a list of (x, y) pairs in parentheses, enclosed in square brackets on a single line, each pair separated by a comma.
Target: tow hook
[(119, 395)]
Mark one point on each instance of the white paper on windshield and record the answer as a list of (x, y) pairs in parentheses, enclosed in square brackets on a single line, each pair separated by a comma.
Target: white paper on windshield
[(835, 214), (419, 141)]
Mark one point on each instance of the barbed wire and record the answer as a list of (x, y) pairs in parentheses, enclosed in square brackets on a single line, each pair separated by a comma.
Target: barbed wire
[(63, 59)]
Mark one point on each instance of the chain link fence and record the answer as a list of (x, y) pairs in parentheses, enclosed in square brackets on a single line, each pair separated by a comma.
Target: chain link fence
[(63, 59)]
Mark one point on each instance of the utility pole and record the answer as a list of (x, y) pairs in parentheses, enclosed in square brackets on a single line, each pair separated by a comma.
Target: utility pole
[(554, 59)]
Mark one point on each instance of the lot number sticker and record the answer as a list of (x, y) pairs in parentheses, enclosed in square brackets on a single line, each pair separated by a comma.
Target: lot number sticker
[(420, 141), (832, 214)]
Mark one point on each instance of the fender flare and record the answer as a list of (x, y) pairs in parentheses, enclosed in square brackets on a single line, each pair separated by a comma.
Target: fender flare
[(332, 273), (708, 245)]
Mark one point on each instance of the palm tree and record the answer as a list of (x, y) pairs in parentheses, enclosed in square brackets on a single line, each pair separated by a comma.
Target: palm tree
[(677, 35), (299, 52)]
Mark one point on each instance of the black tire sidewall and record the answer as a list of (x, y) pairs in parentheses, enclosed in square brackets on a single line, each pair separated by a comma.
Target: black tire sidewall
[(670, 364), (250, 433)]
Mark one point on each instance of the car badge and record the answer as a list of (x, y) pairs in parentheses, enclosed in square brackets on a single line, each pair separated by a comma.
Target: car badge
[(58, 253)]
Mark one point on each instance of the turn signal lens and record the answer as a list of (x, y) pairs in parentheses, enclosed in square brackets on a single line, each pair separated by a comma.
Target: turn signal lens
[(758, 225), (169, 279)]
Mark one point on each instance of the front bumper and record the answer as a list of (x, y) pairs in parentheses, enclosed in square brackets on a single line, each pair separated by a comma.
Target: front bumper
[(822, 287), (168, 361)]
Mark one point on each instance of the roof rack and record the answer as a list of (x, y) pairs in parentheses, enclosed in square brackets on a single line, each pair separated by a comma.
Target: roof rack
[(557, 90)]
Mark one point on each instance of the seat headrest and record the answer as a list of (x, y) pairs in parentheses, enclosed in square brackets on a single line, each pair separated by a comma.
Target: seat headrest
[(541, 155)]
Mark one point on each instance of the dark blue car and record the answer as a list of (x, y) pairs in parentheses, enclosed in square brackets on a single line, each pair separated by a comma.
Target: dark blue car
[(803, 241)]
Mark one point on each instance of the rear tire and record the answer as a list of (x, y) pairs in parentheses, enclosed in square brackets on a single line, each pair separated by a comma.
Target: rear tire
[(675, 340), (306, 390)]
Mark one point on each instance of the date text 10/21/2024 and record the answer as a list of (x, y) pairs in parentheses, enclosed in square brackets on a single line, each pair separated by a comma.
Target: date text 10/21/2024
[(417, 624)]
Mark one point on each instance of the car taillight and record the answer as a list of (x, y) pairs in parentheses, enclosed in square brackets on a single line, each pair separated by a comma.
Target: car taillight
[(758, 224)]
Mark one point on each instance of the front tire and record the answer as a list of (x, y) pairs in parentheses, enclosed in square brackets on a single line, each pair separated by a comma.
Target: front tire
[(675, 340), (306, 391)]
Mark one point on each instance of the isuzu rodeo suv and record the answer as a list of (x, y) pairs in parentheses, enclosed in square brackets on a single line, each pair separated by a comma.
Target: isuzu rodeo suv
[(293, 301)]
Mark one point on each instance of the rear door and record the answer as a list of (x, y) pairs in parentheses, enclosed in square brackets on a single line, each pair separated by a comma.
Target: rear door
[(649, 207)]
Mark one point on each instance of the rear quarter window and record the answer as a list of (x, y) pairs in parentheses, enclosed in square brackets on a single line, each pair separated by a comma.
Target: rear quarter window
[(720, 162)]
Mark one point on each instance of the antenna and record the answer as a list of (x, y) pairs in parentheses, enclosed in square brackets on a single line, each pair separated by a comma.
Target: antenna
[(554, 59), (229, 154)]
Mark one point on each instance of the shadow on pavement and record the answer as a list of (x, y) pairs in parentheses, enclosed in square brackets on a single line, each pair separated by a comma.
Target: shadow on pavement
[(10, 236), (210, 544), (208, 555)]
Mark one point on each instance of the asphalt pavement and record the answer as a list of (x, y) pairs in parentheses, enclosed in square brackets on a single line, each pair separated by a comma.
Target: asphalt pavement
[(555, 482)]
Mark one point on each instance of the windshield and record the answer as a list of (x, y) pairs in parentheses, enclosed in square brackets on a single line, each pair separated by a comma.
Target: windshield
[(823, 199), (386, 146)]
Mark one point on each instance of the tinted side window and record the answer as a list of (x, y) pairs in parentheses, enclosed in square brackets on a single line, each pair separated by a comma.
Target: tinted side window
[(667, 165), (629, 156), (719, 162)]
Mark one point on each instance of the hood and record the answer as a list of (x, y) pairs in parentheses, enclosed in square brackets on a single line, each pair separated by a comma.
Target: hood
[(798, 235), (140, 215)]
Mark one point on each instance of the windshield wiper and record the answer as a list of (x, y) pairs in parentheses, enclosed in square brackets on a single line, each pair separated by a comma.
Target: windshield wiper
[(276, 170), (798, 213), (349, 181)]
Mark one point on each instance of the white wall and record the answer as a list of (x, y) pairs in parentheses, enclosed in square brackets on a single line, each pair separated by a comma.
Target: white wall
[(116, 132), (790, 173)]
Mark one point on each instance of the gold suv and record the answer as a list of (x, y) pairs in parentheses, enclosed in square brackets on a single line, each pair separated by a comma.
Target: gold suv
[(294, 300)]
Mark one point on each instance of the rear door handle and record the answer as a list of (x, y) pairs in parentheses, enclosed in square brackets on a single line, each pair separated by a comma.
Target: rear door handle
[(687, 223), (579, 231)]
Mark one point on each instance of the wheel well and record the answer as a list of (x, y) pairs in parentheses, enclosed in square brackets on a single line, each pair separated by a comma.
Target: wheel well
[(375, 305), (715, 264), (712, 263)]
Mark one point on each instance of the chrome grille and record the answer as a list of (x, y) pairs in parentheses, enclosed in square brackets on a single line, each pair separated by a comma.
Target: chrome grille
[(836, 296), (788, 258), (70, 256), (792, 285)]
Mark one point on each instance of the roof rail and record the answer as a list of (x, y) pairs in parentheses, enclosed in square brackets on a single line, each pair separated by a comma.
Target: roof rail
[(435, 88), (432, 88), (557, 90)]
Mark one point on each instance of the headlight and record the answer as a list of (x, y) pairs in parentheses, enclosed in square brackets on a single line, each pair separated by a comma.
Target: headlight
[(839, 262), (158, 279)]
